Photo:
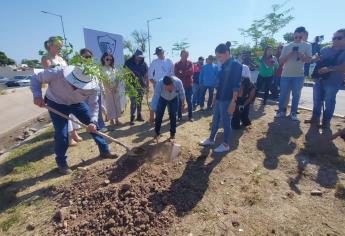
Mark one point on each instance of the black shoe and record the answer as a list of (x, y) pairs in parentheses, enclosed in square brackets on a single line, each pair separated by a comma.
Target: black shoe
[(132, 123), (140, 118), (108, 156), (180, 119), (64, 170), (247, 124)]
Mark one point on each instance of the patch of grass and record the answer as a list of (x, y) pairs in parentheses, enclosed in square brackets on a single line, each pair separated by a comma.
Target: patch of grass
[(23, 159), (9, 222)]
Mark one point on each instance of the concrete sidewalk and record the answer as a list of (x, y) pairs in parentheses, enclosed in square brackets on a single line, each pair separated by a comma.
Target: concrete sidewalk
[(17, 108)]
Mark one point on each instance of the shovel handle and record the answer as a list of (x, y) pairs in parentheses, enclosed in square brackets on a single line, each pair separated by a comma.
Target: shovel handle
[(111, 139)]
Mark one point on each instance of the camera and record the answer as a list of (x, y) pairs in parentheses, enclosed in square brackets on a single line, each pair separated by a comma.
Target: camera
[(295, 49), (241, 108)]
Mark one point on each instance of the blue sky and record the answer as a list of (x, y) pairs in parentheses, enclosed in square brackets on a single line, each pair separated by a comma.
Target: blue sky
[(205, 23)]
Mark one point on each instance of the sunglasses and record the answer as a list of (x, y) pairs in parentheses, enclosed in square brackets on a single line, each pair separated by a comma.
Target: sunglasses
[(298, 37), (108, 59), (87, 57), (338, 38)]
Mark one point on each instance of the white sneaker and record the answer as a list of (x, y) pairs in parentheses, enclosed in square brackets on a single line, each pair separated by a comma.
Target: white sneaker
[(293, 117), (207, 142), (222, 148), (280, 114)]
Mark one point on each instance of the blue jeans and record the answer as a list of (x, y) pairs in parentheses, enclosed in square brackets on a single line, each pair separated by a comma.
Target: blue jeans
[(324, 92), (81, 111), (196, 94), (220, 114), (296, 85), (101, 123), (172, 109), (189, 95), (210, 96)]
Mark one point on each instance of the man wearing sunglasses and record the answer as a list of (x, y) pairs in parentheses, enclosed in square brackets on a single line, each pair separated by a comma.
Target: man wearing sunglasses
[(329, 79), (294, 55)]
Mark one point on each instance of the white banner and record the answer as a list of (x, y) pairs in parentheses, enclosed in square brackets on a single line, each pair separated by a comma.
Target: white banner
[(100, 42)]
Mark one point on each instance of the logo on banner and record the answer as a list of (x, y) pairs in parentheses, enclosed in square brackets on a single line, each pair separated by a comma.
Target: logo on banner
[(106, 44)]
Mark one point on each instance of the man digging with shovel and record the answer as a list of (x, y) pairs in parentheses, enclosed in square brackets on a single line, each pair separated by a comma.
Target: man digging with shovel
[(167, 92), (68, 88)]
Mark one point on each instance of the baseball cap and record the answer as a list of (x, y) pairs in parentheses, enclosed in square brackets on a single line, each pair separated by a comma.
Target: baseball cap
[(159, 50)]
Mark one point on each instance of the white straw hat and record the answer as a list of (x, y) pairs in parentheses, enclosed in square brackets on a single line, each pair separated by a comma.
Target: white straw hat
[(76, 77)]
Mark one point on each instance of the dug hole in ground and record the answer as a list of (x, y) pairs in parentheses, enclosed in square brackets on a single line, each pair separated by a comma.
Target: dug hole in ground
[(280, 178)]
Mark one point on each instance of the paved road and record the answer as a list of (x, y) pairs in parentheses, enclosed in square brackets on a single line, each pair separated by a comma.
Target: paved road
[(307, 100), (17, 108)]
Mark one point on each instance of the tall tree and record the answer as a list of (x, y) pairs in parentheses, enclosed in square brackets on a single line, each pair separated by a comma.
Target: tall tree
[(179, 46), (32, 63), (277, 19), (4, 60), (288, 37), (140, 39)]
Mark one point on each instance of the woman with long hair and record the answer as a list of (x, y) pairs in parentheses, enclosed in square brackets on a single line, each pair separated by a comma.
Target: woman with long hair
[(277, 73), (114, 91), (52, 59), (267, 66)]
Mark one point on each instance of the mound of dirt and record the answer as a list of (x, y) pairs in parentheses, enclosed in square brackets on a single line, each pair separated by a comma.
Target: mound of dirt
[(129, 198)]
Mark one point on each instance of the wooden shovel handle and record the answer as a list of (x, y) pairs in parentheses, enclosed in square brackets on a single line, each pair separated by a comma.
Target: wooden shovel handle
[(111, 139)]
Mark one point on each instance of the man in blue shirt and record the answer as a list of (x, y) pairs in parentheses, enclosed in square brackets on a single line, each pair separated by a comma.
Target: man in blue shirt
[(208, 81), (167, 92), (326, 87), (229, 82)]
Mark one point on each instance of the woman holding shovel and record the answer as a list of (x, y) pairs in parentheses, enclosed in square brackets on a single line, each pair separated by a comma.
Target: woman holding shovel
[(68, 88)]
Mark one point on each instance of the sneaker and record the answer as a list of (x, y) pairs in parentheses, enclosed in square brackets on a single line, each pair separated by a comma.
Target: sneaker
[(280, 114), (207, 142), (222, 148), (191, 120), (293, 117), (103, 130), (132, 123), (64, 170), (108, 156)]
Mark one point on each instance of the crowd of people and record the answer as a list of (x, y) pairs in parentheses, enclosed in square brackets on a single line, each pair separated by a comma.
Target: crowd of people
[(227, 81)]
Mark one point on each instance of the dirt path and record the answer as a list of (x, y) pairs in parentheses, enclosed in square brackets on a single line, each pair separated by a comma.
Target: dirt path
[(264, 186)]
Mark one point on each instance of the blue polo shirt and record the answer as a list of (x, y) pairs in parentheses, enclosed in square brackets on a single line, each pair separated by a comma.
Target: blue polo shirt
[(229, 80)]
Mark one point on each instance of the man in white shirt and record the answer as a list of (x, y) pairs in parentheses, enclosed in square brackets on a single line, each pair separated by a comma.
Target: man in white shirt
[(160, 67)]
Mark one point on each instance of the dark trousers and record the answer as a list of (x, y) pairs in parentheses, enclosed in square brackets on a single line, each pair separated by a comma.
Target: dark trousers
[(172, 109), (239, 117), (210, 96), (266, 82), (81, 111), (136, 103), (189, 95)]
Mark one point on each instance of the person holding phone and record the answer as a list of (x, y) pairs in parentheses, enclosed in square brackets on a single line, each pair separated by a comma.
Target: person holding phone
[(294, 56)]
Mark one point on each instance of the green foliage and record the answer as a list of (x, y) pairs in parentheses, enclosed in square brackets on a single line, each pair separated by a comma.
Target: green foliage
[(288, 37), (277, 19), (95, 70), (179, 46), (32, 63), (267, 41), (139, 40), (269, 25), (4, 60)]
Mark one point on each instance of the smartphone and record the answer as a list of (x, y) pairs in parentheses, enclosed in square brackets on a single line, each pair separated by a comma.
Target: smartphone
[(295, 49)]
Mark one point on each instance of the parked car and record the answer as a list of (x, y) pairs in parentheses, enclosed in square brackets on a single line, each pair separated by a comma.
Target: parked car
[(3, 80), (18, 81)]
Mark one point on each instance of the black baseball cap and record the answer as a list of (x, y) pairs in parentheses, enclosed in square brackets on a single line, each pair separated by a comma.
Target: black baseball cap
[(201, 58), (139, 53), (159, 50)]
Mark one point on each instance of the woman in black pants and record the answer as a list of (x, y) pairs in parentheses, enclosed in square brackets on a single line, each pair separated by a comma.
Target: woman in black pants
[(267, 66)]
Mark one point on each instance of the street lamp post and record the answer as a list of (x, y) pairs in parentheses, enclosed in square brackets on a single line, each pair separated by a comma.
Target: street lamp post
[(148, 34), (63, 28)]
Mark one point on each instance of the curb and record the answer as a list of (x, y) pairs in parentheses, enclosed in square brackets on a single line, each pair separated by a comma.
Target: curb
[(302, 107)]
